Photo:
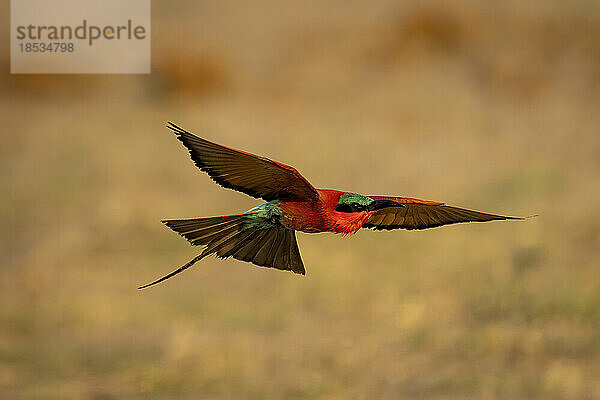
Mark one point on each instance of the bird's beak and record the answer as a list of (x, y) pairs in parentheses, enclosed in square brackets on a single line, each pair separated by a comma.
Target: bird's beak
[(379, 204)]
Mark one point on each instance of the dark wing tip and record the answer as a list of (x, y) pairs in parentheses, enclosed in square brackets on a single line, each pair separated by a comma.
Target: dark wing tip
[(179, 132), (519, 218), (186, 137), (172, 126)]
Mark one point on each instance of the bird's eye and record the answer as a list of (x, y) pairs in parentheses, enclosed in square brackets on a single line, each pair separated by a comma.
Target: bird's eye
[(357, 207), (346, 208)]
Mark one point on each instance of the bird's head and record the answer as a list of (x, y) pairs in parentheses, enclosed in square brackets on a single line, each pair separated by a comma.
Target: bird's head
[(354, 202)]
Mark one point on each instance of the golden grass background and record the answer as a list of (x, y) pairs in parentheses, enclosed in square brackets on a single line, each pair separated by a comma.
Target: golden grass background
[(491, 106)]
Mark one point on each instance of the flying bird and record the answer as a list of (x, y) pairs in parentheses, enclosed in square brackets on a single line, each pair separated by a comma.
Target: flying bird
[(266, 235)]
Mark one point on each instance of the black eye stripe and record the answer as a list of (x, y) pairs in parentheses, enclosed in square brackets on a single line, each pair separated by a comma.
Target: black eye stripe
[(346, 208), (349, 208)]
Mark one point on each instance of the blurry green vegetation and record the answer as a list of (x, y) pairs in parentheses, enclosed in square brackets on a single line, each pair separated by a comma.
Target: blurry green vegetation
[(491, 106)]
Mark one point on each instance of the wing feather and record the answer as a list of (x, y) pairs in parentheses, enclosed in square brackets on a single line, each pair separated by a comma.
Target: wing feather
[(423, 214), (248, 173)]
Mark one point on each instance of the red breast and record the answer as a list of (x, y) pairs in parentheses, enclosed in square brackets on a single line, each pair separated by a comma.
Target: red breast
[(321, 216)]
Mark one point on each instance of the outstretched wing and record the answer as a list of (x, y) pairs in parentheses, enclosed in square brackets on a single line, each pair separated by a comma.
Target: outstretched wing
[(422, 214), (254, 175)]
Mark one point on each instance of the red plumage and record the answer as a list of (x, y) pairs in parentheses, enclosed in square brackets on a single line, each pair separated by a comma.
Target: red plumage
[(265, 235), (319, 215)]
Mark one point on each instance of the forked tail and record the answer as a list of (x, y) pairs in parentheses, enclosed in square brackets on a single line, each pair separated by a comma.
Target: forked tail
[(266, 244)]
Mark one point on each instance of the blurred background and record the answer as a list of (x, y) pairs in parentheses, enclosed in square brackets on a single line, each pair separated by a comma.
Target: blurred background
[(487, 105)]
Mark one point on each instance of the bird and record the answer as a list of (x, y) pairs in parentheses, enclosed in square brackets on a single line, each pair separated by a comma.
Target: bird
[(266, 234)]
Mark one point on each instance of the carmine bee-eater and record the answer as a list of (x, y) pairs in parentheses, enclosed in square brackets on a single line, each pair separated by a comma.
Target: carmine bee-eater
[(266, 235)]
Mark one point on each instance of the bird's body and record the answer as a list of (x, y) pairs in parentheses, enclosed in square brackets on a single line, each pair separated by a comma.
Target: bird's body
[(265, 235), (316, 216)]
